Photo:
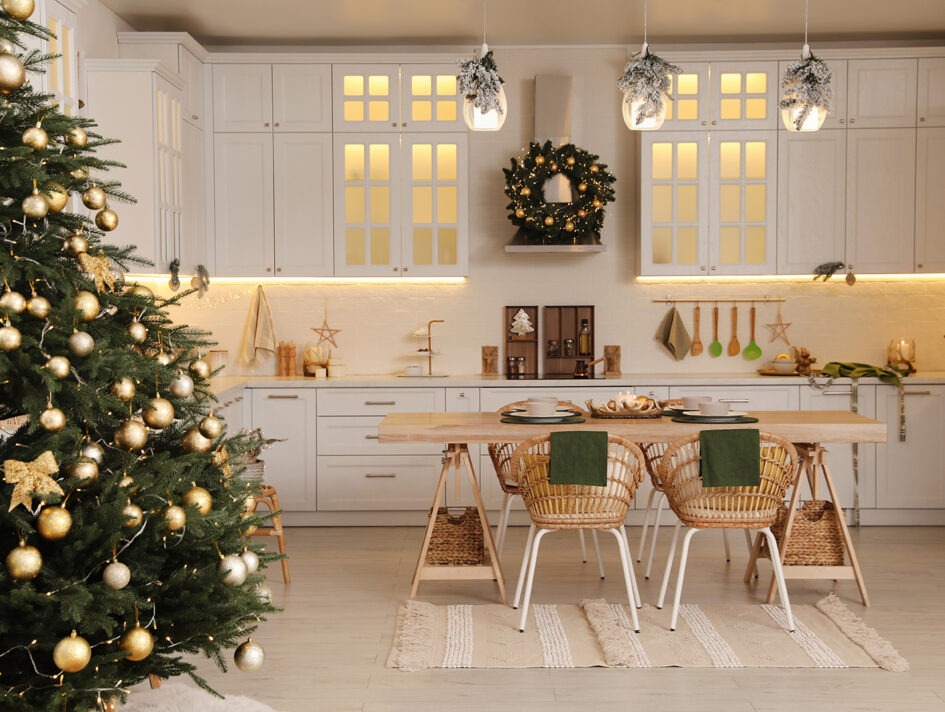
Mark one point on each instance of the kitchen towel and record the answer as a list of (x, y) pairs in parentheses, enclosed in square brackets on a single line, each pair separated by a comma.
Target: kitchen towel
[(730, 458), (673, 336), (261, 329), (849, 369), (578, 458)]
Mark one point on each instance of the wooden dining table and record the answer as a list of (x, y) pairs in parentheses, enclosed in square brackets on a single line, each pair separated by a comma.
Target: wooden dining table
[(808, 430)]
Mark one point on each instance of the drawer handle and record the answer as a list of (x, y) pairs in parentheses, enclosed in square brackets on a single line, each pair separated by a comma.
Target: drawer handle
[(380, 475), (286, 397), (372, 437), (733, 400), (838, 393), (917, 393), (380, 402)]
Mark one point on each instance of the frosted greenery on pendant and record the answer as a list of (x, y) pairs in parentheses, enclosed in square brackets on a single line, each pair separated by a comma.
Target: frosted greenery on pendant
[(480, 83), (806, 87), (645, 82)]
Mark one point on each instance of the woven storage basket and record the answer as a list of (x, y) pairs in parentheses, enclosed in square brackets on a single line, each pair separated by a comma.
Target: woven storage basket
[(456, 538), (816, 539), (255, 469)]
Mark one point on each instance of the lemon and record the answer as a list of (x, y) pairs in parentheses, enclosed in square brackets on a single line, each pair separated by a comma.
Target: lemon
[(782, 357)]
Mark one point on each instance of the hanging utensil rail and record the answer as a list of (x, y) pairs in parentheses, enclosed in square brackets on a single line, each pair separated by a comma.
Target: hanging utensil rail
[(729, 300)]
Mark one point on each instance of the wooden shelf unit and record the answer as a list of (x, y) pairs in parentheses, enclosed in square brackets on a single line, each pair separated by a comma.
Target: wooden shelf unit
[(561, 323), (521, 346)]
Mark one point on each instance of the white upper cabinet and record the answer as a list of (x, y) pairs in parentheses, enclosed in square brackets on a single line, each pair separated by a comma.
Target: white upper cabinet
[(271, 97), (396, 97), (929, 205), (881, 93), (931, 93), (61, 76)]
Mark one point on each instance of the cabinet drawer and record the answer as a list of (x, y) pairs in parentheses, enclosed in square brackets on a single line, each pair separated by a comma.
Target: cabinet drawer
[(745, 397), (357, 435), (379, 401), (377, 483)]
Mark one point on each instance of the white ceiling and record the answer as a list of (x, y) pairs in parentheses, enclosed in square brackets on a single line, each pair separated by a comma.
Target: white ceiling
[(533, 22)]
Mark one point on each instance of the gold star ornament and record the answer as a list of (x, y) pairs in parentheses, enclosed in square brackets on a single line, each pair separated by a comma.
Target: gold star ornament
[(31, 478)]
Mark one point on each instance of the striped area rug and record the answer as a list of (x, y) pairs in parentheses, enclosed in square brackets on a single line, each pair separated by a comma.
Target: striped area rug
[(598, 634)]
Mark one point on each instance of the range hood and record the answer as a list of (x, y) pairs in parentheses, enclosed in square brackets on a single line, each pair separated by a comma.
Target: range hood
[(553, 102)]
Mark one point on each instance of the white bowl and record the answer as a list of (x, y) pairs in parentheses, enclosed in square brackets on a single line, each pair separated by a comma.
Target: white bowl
[(716, 408), (541, 407), (784, 366), (694, 402)]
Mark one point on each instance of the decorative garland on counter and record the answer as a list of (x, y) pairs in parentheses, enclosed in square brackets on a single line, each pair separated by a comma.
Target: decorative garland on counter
[(557, 222)]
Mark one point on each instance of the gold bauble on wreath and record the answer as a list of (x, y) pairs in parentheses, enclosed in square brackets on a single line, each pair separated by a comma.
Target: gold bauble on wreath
[(84, 471), (249, 656), (81, 344), (77, 137), (519, 213), (72, 654), (582, 213), (198, 498), (54, 523), (57, 195), (549, 221), (594, 168), (569, 226), (58, 366), (38, 307), (137, 642), (52, 419), (582, 187), (539, 160), (12, 302), (19, 9), (133, 515), (94, 198), (106, 219), (137, 331), (36, 138), (175, 517), (194, 441), (123, 389), (10, 338), (24, 562), (35, 206), (86, 305), (77, 244), (211, 426), (12, 73), (526, 191), (158, 413), (131, 436)]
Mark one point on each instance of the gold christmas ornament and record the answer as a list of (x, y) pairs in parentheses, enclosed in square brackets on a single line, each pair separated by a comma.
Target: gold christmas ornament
[(24, 562), (31, 478), (52, 419), (36, 138), (123, 389), (19, 9), (92, 451), (106, 219), (519, 213), (553, 166), (526, 191), (137, 331), (596, 203), (163, 358), (194, 441), (211, 426), (249, 656), (116, 575), (35, 206), (81, 344), (582, 187), (582, 213), (126, 481), (158, 413), (77, 137), (594, 168), (57, 195), (83, 470), (251, 560), (199, 498), (12, 302), (54, 523), (59, 367), (10, 338), (132, 435), (569, 226), (133, 515), (77, 244), (181, 386), (12, 73), (94, 198), (137, 642), (81, 173), (539, 160), (569, 160), (111, 704), (38, 307), (6, 46), (233, 570), (139, 290), (175, 517), (100, 269), (200, 368), (549, 221), (72, 654), (86, 304)]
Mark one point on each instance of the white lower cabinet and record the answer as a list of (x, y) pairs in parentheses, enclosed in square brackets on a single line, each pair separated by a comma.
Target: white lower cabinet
[(397, 482), (744, 398), (288, 414)]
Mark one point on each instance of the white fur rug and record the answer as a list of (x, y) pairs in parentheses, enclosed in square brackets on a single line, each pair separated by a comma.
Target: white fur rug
[(177, 697)]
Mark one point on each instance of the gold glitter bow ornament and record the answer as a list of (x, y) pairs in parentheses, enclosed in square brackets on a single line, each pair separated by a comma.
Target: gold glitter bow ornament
[(221, 459), (31, 478), (99, 268)]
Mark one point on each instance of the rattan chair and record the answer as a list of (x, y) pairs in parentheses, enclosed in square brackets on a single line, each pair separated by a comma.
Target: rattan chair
[(555, 507), (741, 507), (501, 454)]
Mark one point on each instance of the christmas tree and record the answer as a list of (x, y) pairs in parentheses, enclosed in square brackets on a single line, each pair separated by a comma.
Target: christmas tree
[(123, 521)]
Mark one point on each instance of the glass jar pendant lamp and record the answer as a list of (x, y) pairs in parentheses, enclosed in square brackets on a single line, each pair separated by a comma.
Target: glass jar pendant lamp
[(485, 107), (806, 100)]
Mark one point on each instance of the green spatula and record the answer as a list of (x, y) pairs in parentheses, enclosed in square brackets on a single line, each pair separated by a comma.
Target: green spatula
[(715, 348), (753, 350)]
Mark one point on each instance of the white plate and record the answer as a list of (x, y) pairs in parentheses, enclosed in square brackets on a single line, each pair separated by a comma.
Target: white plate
[(700, 414), (559, 414)]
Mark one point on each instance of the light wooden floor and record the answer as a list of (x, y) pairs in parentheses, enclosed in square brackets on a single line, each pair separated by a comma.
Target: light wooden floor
[(327, 651)]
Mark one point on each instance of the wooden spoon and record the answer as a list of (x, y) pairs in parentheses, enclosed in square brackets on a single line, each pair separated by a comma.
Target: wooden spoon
[(733, 346), (753, 350), (696, 342), (715, 348)]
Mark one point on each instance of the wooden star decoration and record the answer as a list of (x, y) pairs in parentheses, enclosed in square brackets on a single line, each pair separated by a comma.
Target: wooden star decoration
[(779, 329), (325, 332), (31, 478)]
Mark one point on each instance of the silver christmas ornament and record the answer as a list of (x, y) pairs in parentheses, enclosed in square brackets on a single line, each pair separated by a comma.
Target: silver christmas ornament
[(249, 656), (38, 307), (116, 575), (233, 570), (12, 302), (81, 344), (83, 470), (137, 331), (93, 451), (123, 389), (251, 560), (181, 386), (10, 338)]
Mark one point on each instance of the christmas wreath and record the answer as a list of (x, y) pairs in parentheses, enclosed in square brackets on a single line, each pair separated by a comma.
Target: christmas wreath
[(557, 222)]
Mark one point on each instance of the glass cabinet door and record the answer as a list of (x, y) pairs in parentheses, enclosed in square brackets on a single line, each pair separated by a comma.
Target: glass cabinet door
[(430, 99), (744, 95), (366, 97)]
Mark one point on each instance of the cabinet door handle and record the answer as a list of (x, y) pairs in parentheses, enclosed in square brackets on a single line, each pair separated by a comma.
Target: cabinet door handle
[(380, 475), (380, 402), (266, 124), (194, 117), (838, 393), (285, 397), (917, 393), (734, 400), (372, 437), (277, 124)]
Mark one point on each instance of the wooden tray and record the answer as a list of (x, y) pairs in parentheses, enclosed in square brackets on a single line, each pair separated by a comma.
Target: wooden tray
[(628, 416)]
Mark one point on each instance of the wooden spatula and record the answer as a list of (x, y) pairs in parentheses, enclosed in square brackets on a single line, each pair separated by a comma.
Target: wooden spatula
[(696, 341), (734, 348)]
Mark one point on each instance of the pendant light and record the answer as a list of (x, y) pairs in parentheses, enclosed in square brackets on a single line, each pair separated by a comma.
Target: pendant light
[(485, 106), (806, 100), (645, 85)]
